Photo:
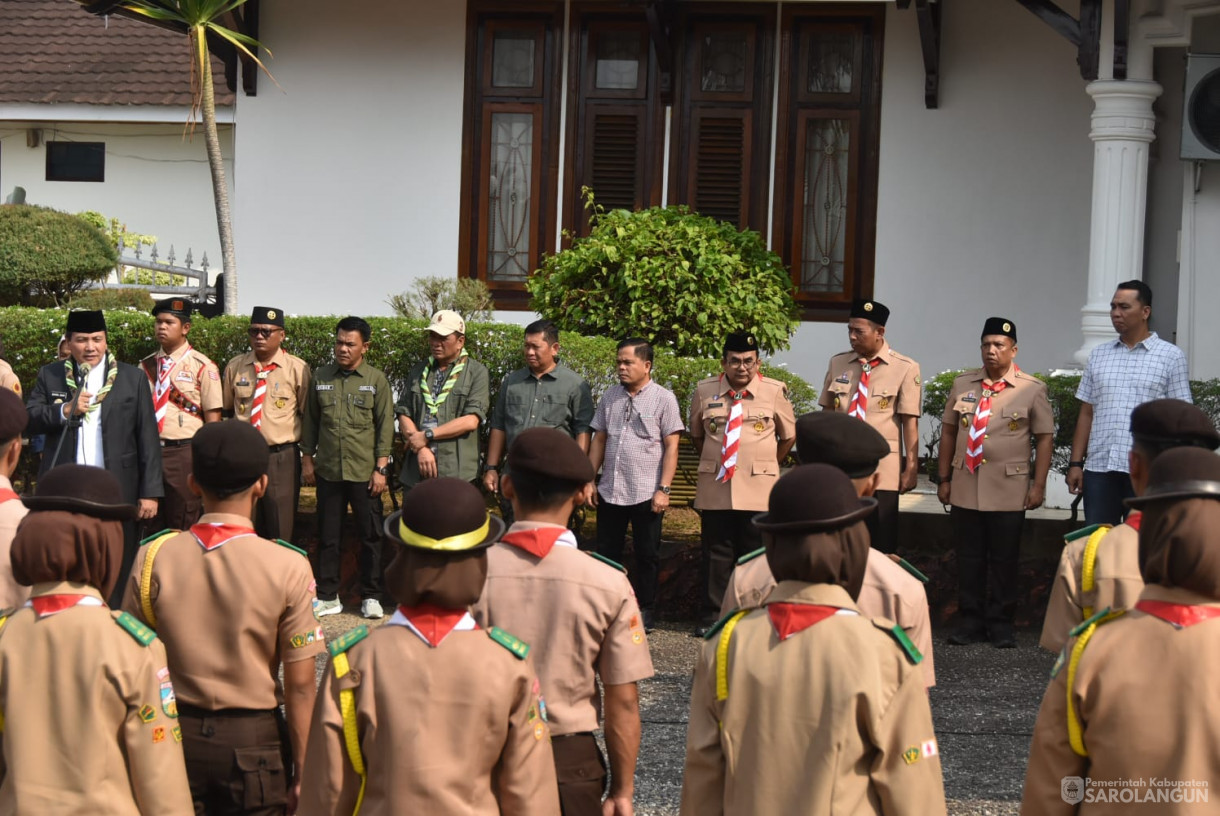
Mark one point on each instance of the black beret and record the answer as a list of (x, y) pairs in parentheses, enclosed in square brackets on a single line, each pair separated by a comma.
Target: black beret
[(843, 441), (1000, 325), (228, 456), (266, 315), (13, 416), (180, 308), (810, 498), (870, 310), (1181, 473), (85, 321), (1173, 423), (90, 491), (550, 452), (740, 342), (444, 516)]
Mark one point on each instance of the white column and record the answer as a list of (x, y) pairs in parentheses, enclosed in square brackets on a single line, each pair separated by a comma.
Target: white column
[(1123, 127)]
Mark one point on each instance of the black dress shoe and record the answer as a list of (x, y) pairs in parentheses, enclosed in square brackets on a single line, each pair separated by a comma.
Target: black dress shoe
[(967, 636), (1004, 639), (648, 621)]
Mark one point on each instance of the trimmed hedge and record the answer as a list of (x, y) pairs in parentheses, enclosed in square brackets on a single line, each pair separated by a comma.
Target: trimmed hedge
[(50, 252)]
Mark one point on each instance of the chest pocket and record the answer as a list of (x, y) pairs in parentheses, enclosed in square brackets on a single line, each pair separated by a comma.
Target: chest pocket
[(1013, 420), (360, 410), (881, 400), (965, 410), (714, 419), (840, 393), (281, 400), (643, 426), (757, 423)]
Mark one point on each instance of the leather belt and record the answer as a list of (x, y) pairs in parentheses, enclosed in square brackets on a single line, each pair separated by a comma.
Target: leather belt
[(174, 443)]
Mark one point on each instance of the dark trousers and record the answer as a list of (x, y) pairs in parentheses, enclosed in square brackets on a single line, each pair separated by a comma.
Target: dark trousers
[(180, 508), (276, 512), (1104, 494), (237, 762), (612, 521), (883, 524), (131, 544), (726, 535), (581, 771), (333, 500), (988, 552)]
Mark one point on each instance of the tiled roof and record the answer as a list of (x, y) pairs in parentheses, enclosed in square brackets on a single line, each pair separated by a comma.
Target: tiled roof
[(53, 51)]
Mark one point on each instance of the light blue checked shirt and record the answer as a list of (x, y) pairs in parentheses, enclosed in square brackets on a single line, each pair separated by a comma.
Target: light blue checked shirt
[(1115, 381)]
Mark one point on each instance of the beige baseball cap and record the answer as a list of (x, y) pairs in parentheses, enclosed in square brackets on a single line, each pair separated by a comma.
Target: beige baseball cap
[(446, 322)]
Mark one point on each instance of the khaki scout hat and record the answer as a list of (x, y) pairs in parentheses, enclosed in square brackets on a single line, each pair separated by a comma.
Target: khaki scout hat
[(446, 322), (445, 516)]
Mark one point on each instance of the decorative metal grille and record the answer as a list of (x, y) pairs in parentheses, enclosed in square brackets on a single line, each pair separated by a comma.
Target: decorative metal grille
[(827, 159), (723, 62), (510, 196), (832, 58), (512, 59)]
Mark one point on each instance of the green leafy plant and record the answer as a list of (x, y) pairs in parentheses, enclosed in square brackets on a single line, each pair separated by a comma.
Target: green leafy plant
[(467, 296), (103, 298), (48, 254), (681, 279)]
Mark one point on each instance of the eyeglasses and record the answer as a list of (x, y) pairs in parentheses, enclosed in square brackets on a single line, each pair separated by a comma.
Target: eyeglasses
[(737, 362), (261, 332)]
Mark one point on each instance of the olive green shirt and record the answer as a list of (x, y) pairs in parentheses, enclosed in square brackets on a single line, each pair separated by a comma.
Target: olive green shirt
[(558, 399), (471, 393), (349, 422)]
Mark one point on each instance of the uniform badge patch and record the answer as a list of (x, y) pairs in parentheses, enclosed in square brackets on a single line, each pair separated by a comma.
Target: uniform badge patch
[(542, 708), (169, 702), (177, 732), (885, 403), (281, 402), (911, 755), (637, 637), (1012, 426), (929, 749), (148, 713), (163, 672), (539, 731), (159, 734), (213, 375), (760, 426)]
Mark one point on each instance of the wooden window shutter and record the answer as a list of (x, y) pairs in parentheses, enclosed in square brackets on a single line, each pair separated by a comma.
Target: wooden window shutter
[(719, 174), (615, 142)]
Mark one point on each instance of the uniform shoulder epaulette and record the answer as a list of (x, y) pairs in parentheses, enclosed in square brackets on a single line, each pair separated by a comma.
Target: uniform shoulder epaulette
[(606, 560), (167, 531), (1097, 617), (712, 379), (909, 567), (518, 647), (718, 625), (899, 355), (292, 547), (142, 634), (897, 633), (347, 640), (1082, 532), (5, 614), (750, 556)]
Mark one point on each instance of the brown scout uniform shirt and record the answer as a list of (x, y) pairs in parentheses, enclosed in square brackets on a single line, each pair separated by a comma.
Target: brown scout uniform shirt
[(889, 591), (1117, 582), (1144, 691), (895, 390), (834, 719), (455, 730), (287, 390), (228, 616), (766, 418), (12, 594), (87, 727), (602, 634), (196, 379), (1001, 482), (8, 378)]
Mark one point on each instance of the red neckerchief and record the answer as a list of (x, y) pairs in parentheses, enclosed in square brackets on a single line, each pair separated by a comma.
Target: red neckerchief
[(745, 392), (1180, 615), (790, 618), (432, 622), (1133, 520), (210, 536), (7, 495), (537, 542), (50, 604)]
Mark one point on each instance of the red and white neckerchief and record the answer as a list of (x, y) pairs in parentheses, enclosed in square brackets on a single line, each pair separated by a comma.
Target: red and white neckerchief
[(539, 541), (260, 392), (978, 429), (1180, 615), (212, 536), (163, 383), (432, 623), (1133, 519), (7, 495), (790, 618), (46, 605), (732, 435), (859, 400)]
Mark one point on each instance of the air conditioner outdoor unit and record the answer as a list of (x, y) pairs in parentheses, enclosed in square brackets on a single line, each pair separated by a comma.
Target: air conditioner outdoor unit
[(1201, 108)]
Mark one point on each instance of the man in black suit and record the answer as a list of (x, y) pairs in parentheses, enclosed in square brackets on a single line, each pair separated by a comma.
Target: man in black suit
[(98, 411)]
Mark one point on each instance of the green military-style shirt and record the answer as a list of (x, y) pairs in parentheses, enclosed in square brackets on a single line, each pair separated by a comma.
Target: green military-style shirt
[(349, 422), (558, 399), (470, 395)]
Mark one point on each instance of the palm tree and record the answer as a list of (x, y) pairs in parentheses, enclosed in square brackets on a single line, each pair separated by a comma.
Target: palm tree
[(199, 20)]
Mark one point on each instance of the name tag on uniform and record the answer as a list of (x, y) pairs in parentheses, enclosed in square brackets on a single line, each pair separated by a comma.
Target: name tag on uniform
[(970, 398), (715, 405), (323, 387), (185, 376), (843, 378), (371, 388), (243, 381), (59, 395)]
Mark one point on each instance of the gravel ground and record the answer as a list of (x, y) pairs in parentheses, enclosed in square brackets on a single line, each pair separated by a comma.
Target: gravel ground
[(984, 706)]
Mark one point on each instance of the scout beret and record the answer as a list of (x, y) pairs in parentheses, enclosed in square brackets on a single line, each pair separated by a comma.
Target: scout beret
[(550, 452), (444, 515), (180, 308), (90, 491), (1000, 325), (228, 456), (85, 321), (740, 342), (870, 310), (268, 316), (446, 322), (1181, 473), (840, 440), (1173, 423), (13, 416), (813, 498)]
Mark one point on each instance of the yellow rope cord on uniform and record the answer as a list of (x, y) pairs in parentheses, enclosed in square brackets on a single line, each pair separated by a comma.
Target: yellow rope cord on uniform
[(1075, 731), (3, 621), (722, 655), (146, 573), (351, 736), (1088, 564)]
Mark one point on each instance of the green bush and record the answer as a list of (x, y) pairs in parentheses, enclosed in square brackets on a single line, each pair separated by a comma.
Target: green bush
[(48, 253), (112, 299), (681, 279), (467, 296)]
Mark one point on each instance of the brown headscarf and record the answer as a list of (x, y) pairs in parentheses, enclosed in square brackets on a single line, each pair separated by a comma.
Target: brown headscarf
[(832, 557), (1180, 545), (54, 545), (445, 579)]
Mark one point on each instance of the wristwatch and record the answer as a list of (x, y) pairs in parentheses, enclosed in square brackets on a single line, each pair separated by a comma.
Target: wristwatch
[(664, 489), (428, 434), (384, 470), (491, 467)]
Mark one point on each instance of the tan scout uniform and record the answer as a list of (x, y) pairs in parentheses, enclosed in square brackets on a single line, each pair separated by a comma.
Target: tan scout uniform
[(8, 378), (889, 591), (88, 722), (1137, 722), (1117, 582), (833, 720), (194, 389), (12, 511), (283, 409), (462, 731)]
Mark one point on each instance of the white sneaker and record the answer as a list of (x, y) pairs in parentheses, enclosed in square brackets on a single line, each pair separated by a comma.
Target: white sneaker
[(332, 607), (371, 608)]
